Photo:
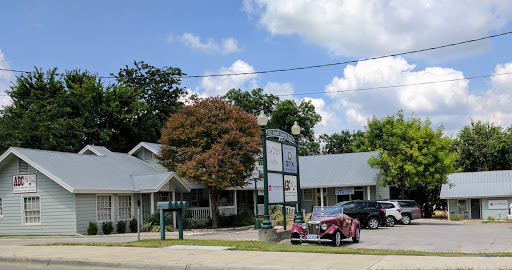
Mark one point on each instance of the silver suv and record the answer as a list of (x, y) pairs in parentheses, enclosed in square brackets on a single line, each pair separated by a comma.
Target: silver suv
[(410, 210)]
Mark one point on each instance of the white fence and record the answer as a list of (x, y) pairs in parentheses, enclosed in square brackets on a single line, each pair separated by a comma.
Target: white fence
[(290, 210), (204, 213)]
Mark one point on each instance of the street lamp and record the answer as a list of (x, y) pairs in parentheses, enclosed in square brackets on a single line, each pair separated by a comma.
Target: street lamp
[(255, 175), (298, 214), (262, 122)]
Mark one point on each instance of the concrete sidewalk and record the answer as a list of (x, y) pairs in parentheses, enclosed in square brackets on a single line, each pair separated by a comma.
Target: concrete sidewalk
[(195, 257)]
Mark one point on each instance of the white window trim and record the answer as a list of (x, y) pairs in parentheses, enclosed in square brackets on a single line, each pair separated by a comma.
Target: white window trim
[(118, 207), (111, 208), (23, 211), (2, 207)]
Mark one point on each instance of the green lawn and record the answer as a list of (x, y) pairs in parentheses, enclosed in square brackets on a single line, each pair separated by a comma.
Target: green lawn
[(274, 247), (496, 221)]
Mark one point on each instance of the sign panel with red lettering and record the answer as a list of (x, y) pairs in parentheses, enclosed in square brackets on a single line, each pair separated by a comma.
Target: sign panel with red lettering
[(290, 188), (24, 183), (274, 156)]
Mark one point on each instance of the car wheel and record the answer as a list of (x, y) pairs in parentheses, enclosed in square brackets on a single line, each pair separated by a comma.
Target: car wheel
[(295, 235), (356, 237), (390, 221), (406, 219), (373, 223), (336, 239)]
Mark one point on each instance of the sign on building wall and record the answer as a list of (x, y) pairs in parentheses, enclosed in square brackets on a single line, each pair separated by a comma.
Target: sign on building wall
[(290, 188), (497, 204), (274, 156), (289, 159), (275, 188), (24, 183), (345, 191)]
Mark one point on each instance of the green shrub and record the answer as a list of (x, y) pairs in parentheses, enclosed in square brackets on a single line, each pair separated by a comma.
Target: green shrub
[(189, 221), (92, 229), (440, 214), (490, 218), (154, 220), (307, 217), (107, 227), (121, 226), (456, 217), (133, 225)]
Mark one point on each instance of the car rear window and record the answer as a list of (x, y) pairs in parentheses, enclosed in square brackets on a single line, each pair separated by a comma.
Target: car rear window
[(348, 206), (410, 204), (387, 205), (372, 205)]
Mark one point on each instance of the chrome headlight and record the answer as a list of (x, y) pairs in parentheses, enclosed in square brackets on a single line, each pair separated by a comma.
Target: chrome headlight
[(304, 226), (324, 227)]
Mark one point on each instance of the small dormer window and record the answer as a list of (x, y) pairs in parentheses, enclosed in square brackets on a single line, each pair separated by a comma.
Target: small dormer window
[(147, 155), (24, 167)]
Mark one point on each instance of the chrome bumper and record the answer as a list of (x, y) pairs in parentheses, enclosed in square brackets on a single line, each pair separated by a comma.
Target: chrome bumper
[(311, 240)]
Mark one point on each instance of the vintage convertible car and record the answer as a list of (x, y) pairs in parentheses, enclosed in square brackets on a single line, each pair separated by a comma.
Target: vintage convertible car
[(327, 225)]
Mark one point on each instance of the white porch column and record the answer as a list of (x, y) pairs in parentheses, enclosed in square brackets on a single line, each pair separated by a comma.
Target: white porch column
[(448, 204), (236, 204), (321, 197), (368, 192), (210, 205), (152, 203), (174, 212)]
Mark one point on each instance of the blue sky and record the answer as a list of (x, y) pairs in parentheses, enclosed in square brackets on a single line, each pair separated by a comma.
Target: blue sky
[(211, 37)]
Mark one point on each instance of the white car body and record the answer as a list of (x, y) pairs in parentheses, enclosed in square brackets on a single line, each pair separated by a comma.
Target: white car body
[(510, 212), (394, 212)]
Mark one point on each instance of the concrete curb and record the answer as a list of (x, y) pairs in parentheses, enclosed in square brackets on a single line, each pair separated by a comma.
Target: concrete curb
[(146, 266)]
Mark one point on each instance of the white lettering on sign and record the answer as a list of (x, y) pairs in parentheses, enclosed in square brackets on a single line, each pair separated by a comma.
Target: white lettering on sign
[(274, 156), (24, 183), (498, 204)]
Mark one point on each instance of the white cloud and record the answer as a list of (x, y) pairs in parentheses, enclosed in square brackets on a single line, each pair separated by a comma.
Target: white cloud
[(376, 27), (218, 86), (494, 104), (283, 90), (444, 103), (226, 46), (330, 122), (5, 79)]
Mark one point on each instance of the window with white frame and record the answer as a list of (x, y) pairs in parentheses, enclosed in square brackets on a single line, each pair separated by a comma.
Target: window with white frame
[(31, 210), (307, 194), (1, 207), (23, 167), (125, 206), (104, 208)]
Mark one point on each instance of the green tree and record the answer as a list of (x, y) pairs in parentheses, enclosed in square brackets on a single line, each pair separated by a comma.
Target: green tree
[(64, 113), (343, 142), (287, 112), (310, 148), (213, 143), (411, 153), (253, 102), (159, 90), (484, 147)]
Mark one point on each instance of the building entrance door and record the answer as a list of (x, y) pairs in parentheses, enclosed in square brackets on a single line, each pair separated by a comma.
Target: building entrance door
[(146, 206), (475, 208)]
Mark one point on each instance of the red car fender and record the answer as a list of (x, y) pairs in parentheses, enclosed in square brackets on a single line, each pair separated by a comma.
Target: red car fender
[(353, 228), (331, 230), (297, 229)]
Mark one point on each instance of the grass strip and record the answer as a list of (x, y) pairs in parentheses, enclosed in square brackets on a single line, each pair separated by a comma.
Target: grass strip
[(275, 247), (496, 221)]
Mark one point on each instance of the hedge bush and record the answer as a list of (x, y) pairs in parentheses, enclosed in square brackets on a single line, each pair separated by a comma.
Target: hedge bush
[(93, 228), (107, 227), (133, 225), (121, 226)]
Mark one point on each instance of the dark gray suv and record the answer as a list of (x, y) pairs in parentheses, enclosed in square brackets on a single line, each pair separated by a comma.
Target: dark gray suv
[(410, 210)]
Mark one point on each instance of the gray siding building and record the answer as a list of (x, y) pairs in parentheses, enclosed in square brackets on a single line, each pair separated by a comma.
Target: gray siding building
[(478, 195)]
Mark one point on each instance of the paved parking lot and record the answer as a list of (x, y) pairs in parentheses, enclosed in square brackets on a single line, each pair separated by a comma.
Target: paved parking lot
[(436, 235), (423, 235)]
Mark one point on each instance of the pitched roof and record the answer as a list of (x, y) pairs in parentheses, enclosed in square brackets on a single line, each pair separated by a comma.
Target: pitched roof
[(478, 185), (338, 170), (153, 147), (106, 171)]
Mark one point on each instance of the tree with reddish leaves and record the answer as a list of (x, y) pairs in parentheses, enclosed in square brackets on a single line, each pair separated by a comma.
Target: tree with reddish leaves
[(213, 143)]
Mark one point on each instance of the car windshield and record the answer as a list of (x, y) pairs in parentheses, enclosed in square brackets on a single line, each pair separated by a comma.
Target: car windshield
[(326, 212)]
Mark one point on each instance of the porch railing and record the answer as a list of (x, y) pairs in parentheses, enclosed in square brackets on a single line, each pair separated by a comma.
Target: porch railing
[(204, 213)]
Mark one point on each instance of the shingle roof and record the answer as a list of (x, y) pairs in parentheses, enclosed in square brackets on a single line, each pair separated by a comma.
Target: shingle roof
[(338, 170), (478, 184), (83, 173)]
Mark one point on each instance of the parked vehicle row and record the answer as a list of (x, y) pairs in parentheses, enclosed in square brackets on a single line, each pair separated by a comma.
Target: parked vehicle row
[(331, 224)]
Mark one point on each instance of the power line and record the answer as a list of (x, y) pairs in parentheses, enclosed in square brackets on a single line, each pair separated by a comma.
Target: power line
[(300, 68), (381, 87)]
